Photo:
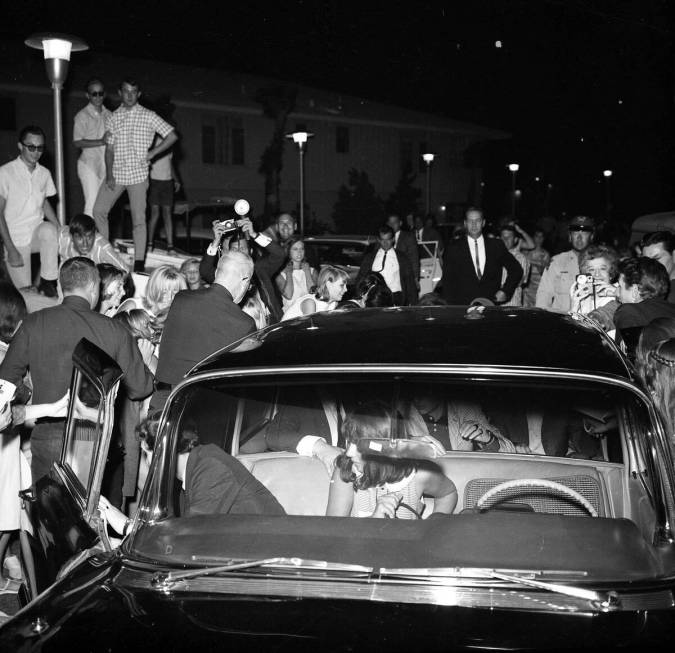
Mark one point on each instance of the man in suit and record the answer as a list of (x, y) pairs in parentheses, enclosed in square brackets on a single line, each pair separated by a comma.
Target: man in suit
[(472, 266), (393, 265), (200, 322), (405, 243)]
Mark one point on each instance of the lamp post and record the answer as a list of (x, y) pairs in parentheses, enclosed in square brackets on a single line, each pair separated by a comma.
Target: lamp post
[(57, 49), (300, 139), (607, 174), (513, 167), (428, 158)]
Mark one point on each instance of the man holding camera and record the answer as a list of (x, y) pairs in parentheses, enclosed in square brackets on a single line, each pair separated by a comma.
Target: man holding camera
[(553, 293)]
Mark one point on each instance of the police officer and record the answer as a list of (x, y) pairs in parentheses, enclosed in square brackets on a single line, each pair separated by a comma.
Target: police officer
[(553, 293)]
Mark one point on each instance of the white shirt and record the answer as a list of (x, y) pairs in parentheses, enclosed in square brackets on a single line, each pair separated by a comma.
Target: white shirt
[(481, 251), (89, 124), (390, 273), (24, 193)]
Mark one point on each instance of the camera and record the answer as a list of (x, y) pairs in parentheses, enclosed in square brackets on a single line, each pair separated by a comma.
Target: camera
[(230, 225), (583, 279)]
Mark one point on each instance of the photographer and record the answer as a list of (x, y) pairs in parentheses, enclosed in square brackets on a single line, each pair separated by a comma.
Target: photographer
[(596, 285), (268, 257)]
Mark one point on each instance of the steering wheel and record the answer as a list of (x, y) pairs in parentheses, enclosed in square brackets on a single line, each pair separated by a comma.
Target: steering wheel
[(527, 483)]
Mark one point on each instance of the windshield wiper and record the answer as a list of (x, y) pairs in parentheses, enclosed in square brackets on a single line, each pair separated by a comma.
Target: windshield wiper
[(166, 580), (602, 600)]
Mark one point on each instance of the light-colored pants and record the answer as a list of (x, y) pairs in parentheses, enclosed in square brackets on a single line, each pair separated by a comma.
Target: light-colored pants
[(91, 183), (45, 242), (105, 200)]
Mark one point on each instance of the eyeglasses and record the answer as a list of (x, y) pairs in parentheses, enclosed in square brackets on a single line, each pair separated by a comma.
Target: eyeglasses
[(97, 93), (33, 148), (580, 228)]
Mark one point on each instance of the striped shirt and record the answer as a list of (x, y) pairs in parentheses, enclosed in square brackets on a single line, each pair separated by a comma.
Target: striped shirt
[(132, 132)]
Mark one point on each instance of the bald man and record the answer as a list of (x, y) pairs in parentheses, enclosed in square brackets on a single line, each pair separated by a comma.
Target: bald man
[(201, 322)]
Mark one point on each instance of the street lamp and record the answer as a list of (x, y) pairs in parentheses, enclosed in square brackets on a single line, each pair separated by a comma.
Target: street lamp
[(57, 49), (513, 167), (428, 158), (300, 139), (607, 174)]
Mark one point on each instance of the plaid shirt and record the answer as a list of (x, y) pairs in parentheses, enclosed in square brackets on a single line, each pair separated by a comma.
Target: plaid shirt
[(132, 132)]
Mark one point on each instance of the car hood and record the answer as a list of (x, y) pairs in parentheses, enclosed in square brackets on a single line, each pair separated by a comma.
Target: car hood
[(96, 608)]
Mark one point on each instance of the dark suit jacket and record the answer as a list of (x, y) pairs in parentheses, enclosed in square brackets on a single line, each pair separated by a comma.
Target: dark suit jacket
[(266, 264), (217, 483), (407, 244), (408, 287), (200, 322), (460, 283)]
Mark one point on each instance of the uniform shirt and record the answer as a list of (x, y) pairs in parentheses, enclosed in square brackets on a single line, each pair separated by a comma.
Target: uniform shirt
[(391, 271), (553, 292), (101, 252), (132, 133), (24, 193), (45, 342), (90, 124)]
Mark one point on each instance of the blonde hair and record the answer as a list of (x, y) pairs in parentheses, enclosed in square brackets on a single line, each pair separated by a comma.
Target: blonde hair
[(329, 274), (164, 279)]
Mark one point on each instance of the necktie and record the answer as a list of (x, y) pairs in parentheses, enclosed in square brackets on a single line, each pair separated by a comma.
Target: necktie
[(478, 272), (384, 258)]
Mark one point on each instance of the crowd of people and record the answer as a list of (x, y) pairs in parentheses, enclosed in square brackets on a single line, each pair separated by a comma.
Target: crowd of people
[(248, 279)]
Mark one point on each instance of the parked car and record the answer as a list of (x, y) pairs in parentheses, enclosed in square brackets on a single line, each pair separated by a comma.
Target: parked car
[(571, 548), (347, 252)]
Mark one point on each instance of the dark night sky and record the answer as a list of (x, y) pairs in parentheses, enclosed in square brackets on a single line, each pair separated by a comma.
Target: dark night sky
[(567, 70)]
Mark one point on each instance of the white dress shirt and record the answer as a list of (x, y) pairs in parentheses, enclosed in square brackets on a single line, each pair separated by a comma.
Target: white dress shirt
[(481, 251), (391, 272)]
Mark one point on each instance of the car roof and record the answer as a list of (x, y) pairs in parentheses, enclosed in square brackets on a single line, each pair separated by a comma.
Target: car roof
[(510, 337)]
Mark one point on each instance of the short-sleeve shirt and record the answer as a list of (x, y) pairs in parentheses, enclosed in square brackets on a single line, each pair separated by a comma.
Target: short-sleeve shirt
[(132, 132), (24, 193), (101, 252), (89, 124)]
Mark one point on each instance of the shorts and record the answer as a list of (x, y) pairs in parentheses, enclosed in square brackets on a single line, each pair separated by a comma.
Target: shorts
[(161, 192)]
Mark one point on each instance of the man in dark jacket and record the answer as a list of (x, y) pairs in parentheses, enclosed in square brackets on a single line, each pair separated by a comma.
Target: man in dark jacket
[(394, 267), (472, 266), (44, 345), (406, 243), (268, 258), (200, 322)]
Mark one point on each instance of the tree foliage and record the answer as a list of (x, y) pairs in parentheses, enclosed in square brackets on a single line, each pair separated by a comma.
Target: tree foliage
[(405, 196), (358, 209)]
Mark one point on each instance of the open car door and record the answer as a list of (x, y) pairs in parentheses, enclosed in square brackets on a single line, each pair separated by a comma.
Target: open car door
[(430, 265), (63, 505)]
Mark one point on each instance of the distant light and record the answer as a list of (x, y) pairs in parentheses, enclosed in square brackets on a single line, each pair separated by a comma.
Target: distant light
[(620, 101), (482, 184), (513, 167), (498, 44), (428, 157), (536, 178), (442, 207), (299, 138), (519, 192), (607, 173), (581, 139), (550, 185)]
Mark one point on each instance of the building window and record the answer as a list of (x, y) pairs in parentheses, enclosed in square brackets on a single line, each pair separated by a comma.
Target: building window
[(421, 166), (406, 157), (7, 113), (342, 139), (223, 141)]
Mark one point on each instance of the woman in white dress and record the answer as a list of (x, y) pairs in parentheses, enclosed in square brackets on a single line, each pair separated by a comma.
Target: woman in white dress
[(331, 287), (297, 278)]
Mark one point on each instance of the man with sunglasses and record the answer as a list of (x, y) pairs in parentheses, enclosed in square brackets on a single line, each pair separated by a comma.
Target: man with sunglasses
[(553, 293), (89, 135), (25, 186)]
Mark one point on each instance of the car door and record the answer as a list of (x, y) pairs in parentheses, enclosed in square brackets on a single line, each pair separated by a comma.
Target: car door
[(63, 505)]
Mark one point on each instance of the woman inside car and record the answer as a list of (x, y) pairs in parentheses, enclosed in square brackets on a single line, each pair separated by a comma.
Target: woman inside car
[(375, 486)]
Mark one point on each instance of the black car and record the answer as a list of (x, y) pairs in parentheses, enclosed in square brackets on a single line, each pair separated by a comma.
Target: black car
[(562, 535)]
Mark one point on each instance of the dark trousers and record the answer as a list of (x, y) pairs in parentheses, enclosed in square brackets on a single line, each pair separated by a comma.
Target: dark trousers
[(46, 443)]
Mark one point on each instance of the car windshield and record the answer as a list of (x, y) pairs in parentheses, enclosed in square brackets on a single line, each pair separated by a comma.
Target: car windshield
[(514, 449), (346, 253)]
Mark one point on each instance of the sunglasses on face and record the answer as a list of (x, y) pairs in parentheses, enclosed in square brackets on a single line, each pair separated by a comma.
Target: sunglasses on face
[(97, 93), (579, 228), (33, 148)]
